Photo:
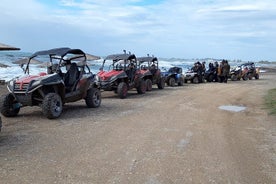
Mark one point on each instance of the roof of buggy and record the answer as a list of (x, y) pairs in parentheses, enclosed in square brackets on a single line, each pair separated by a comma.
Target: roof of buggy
[(175, 69), (249, 63), (120, 57), (58, 52), (147, 59)]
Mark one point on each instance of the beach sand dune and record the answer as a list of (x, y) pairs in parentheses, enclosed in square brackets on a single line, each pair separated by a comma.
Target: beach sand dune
[(175, 135)]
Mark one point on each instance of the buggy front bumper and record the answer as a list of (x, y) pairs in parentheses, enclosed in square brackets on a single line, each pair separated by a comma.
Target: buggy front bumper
[(107, 85)]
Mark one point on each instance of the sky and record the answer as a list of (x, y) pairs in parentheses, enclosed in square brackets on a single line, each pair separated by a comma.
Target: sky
[(228, 29)]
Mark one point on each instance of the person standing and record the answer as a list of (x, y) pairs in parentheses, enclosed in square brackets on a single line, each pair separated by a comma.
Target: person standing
[(216, 68), (220, 72), (226, 70)]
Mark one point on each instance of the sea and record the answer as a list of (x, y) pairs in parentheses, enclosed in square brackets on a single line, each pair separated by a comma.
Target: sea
[(10, 70)]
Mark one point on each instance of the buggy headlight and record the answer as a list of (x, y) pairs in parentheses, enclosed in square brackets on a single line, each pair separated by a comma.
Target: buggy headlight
[(97, 78), (36, 83), (10, 85)]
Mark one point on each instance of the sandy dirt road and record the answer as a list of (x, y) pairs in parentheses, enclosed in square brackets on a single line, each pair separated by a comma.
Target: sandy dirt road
[(175, 135)]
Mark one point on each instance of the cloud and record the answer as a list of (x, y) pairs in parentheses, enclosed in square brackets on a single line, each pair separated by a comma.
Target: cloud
[(168, 28)]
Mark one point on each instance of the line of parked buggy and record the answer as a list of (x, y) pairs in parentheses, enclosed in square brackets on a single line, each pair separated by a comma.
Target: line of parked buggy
[(69, 79), (198, 74)]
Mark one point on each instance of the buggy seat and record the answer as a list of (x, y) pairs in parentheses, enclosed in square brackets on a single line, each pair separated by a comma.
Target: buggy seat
[(71, 77)]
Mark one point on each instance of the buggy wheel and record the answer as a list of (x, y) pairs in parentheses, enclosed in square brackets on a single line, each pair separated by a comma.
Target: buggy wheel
[(52, 106), (141, 89), (93, 98), (257, 76), (234, 77), (122, 90), (8, 106), (211, 78), (149, 84), (171, 82), (181, 81), (161, 84), (195, 80), (250, 76), (245, 77)]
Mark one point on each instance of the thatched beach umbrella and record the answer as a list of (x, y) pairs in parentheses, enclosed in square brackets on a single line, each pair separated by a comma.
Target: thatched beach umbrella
[(25, 61), (7, 47), (91, 57), (3, 65)]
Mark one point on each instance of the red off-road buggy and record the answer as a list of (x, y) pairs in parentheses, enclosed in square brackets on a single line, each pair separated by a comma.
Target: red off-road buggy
[(151, 72), (122, 75)]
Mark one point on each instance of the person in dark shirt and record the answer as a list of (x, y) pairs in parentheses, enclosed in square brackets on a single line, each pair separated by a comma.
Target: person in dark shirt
[(225, 71)]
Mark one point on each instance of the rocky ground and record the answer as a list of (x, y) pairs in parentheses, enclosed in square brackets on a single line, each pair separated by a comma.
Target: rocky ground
[(175, 135)]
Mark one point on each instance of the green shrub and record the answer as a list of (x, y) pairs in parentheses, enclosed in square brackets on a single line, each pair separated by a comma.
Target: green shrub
[(270, 101)]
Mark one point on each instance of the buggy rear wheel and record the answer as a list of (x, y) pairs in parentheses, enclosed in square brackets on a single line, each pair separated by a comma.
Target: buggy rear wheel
[(234, 77), (9, 106), (245, 77), (93, 98), (52, 106), (161, 84), (171, 82), (122, 90), (181, 82), (195, 80), (149, 84), (141, 89), (250, 76)]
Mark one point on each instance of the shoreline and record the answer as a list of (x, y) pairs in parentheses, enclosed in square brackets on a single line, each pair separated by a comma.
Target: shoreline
[(263, 69)]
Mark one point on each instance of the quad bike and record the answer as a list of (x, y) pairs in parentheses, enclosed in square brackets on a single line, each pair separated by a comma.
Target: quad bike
[(238, 73), (252, 71), (211, 75), (174, 76), (151, 72), (68, 79), (123, 75), (193, 77)]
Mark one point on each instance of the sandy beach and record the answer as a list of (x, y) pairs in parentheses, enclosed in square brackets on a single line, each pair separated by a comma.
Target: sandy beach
[(175, 135)]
